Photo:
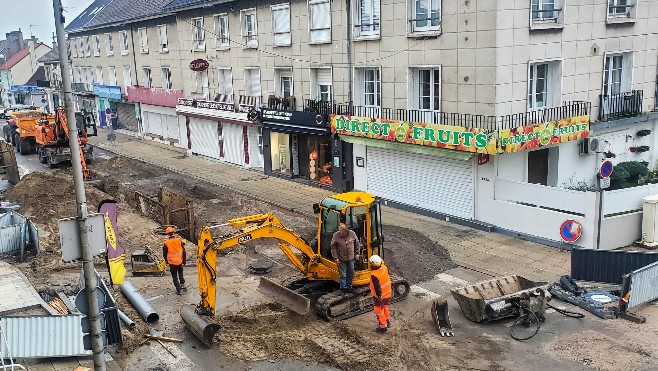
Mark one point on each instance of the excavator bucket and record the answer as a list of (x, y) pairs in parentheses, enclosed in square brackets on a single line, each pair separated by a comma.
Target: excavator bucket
[(203, 330), (284, 296), (441, 318)]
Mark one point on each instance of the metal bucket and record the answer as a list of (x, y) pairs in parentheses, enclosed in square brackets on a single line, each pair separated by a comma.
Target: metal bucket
[(494, 299)]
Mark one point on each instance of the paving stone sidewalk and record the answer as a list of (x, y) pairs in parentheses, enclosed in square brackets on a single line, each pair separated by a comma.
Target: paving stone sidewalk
[(490, 253)]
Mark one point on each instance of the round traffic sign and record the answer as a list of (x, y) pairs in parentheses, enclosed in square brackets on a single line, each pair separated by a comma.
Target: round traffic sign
[(571, 230), (43, 100), (81, 300), (606, 169)]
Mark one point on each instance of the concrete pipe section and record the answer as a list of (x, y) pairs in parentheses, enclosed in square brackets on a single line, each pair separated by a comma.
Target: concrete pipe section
[(125, 319), (203, 330), (137, 300)]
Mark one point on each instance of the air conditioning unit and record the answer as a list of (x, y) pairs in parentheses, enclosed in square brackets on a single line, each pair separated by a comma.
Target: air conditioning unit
[(589, 146), (650, 221)]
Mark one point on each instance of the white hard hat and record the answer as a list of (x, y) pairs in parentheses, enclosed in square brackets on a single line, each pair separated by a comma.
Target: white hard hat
[(376, 260)]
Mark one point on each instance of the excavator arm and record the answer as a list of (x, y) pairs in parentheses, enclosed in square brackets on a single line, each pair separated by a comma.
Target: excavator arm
[(63, 123), (251, 228)]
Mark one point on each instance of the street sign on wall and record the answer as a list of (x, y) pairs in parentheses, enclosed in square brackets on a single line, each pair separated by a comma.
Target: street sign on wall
[(571, 230), (604, 183)]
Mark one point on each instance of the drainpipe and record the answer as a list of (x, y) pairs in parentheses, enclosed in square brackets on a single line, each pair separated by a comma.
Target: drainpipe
[(349, 52), (132, 40)]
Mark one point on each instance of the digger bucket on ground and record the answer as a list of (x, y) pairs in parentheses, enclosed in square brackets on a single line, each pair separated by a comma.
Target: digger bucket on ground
[(203, 330), (284, 296), (441, 317)]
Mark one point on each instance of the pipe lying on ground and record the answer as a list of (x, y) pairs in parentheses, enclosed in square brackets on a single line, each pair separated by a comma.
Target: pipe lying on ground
[(203, 330), (125, 319), (137, 300)]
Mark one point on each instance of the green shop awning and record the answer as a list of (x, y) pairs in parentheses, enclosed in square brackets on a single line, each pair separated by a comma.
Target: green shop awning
[(404, 147)]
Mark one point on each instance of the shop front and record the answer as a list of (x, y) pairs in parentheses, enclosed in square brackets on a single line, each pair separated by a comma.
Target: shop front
[(107, 98), (29, 95), (158, 108), (299, 145), (220, 131)]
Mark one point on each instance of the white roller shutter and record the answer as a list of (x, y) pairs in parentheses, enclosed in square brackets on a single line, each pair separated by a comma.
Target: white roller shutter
[(233, 144), (171, 131), (153, 123), (255, 158), (204, 138), (428, 182), (324, 76)]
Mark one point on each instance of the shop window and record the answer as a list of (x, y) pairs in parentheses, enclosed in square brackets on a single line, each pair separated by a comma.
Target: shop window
[(542, 166), (260, 140), (319, 160), (280, 152)]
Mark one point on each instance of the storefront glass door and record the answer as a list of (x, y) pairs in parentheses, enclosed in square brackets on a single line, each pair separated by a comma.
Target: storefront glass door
[(319, 160), (280, 152)]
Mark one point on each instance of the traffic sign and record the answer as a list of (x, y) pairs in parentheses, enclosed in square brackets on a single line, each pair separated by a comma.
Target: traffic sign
[(604, 183), (606, 169), (571, 230), (43, 100)]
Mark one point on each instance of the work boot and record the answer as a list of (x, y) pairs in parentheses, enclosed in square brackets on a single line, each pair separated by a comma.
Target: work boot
[(183, 287), (350, 290), (178, 292), (388, 323), (381, 330)]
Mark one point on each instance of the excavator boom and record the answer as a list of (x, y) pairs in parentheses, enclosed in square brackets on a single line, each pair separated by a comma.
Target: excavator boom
[(82, 139)]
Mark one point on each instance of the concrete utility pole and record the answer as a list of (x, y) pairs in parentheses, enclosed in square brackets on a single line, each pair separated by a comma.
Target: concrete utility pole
[(80, 197)]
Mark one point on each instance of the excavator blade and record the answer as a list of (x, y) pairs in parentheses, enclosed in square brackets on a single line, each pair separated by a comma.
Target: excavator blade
[(441, 318), (284, 296), (203, 330)]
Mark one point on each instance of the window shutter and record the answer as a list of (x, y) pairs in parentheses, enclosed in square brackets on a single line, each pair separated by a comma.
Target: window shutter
[(321, 21), (228, 78), (255, 82), (375, 14), (281, 26), (324, 76)]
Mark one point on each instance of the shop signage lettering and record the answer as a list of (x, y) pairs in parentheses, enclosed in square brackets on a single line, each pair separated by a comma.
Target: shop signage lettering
[(276, 115), (432, 135), (199, 65), (463, 139), (543, 134), (219, 106)]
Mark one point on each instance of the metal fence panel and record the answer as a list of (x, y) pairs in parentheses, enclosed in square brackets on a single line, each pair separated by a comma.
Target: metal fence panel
[(606, 265), (43, 336), (17, 233), (644, 285)]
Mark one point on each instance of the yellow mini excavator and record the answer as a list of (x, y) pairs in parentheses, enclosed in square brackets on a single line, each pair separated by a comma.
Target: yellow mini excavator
[(358, 210)]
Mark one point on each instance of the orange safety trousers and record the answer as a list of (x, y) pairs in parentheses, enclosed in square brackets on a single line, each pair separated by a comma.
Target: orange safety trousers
[(382, 313)]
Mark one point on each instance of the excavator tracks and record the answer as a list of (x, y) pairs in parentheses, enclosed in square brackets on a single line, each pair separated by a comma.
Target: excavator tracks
[(336, 306)]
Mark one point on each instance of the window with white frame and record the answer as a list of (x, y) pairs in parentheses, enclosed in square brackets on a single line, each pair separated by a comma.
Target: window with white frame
[(367, 87), (76, 74), (112, 76), (225, 82), (202, 88), (80, 46), (426, 15), (90, 76), (166, 77), (620, 8), (252, 82), (249, 28), (162, 38), (99, 75), (73, 51), (146, 77), (199, 34), (321, 84), (367, 23), (85, 41), (543, 10), (109, 48), (127, 79), (123, 38), (281, 24), (544, 84), (221, 32), (425, 89), (143, 40), (319, 21), (97, 45), (617, 74), (283, 82)]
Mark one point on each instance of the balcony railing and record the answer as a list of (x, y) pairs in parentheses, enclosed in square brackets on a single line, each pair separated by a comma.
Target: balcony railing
[(281, 103), (546, 15), (620, 105), (568, 109), (319, 106)]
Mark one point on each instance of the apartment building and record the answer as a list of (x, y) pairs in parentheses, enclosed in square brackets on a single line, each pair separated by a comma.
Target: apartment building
[(448, 107)]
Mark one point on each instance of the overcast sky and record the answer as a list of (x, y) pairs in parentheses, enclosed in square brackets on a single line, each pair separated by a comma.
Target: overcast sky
[(38, 13)]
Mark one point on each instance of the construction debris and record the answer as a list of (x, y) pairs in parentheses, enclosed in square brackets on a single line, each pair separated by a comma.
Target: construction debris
[(162, 338)]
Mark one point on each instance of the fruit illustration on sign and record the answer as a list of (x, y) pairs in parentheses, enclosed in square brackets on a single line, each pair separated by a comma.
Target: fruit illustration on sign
[(545, 137)]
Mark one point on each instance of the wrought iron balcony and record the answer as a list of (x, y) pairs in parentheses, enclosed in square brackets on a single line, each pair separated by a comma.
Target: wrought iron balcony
[(616, 106), (319, 106), (281, 103)]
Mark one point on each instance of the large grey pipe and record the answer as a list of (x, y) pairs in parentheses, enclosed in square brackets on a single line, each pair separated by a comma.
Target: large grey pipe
[(137, 300), (125, 319), (202, 329)]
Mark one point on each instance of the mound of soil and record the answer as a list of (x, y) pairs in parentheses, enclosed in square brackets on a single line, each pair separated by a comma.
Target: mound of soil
[(413, 255)]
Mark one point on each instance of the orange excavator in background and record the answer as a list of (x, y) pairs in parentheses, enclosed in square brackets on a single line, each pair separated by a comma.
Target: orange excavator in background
[(52, 140)]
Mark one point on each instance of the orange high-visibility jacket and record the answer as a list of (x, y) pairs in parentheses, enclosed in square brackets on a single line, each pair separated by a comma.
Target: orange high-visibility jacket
[(380, 283), (174, 251)]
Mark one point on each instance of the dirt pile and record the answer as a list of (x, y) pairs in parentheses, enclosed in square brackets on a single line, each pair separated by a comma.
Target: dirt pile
[(413, 255)]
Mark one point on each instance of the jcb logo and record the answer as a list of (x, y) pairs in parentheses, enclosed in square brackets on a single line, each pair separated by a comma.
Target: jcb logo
[(244, 238)]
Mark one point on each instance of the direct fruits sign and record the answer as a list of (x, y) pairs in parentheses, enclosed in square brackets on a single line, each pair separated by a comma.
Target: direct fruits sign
[(543, 134), (419, 133)]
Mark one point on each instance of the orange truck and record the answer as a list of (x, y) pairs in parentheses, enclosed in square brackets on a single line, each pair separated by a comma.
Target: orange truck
[(25, 123), (52, 139)]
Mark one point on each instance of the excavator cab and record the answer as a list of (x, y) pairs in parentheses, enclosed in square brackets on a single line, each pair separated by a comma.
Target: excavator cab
[(361, 213)]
